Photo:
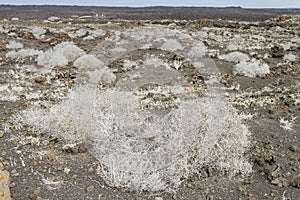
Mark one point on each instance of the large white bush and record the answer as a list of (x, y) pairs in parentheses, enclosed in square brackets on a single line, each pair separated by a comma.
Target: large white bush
[(140, 150)]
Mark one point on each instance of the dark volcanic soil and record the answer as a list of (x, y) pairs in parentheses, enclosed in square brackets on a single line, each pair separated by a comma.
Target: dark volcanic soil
[(40, 168)]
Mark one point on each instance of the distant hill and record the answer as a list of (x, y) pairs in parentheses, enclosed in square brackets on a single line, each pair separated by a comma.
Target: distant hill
[(142, 13)]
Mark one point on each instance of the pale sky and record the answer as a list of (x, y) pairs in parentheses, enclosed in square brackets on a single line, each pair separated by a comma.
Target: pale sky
[(134, 3)]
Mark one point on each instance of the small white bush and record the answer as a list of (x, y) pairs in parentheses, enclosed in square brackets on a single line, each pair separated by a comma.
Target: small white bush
[(107, 77), (199, 65), (98, 33), (198, 50), (128, 64), (171, 45), (78, 33), (53, 19), (60, 55), (232, 47), (118, 50), (2, 30), (200, 35), (140, 150), (290, 57), (38, 32), (88, 62), (14, 45), (287, 124), (23, 53), (102, 76), (252, 68), (236, 57), (154, 61), (95, 69)]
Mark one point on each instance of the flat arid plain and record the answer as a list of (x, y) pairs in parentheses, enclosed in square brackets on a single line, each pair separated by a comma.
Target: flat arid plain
[(149, 103)]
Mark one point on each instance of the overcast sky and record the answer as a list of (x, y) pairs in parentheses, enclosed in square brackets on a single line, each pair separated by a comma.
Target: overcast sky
[(219, 3)]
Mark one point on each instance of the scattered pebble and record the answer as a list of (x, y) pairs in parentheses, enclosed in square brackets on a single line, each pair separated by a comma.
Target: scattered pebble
[(67, 170), (296, 181), (40, 79), (90, 188)]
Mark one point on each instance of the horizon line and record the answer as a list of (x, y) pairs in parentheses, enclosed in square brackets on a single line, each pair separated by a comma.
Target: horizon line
[(149, 6)]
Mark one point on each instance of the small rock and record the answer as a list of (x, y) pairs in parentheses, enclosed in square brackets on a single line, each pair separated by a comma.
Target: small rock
[(37, 191), (285, 182), (281, 182), (242, 189), (296, 181), (1, 134), (158, 198), (90, 188), (51, 155), (12, 185), (275, 181), (75, 148), (40, 79), (91, 170), (210, 197), (284, 18), (294, 148), (33, 164), (4, 185), (277, 51), (14, 172), (67, 170), (36, 194)]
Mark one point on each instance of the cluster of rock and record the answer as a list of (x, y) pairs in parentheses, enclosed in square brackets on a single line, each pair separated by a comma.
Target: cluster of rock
[(4, 184)]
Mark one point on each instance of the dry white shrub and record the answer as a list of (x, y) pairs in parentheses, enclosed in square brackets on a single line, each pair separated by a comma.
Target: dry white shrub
[(60, 55), (38, 32), (198, 50), (78, 33), (14, 45), (95, 70), (88, 62), (142, 150), (236, 57), (290, 57), (22, 53), (171, 45), (154, 61), (287, 124), (252, 68), (232, 47), (2, 30), (103, 77)]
